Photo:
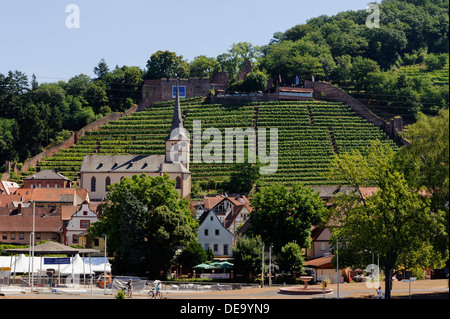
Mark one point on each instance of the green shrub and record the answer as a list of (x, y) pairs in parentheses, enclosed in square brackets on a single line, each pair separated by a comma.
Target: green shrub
[(120, 295)]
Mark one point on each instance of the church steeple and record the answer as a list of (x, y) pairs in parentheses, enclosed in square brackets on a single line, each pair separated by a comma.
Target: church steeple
[(177, 119), (177, 142)]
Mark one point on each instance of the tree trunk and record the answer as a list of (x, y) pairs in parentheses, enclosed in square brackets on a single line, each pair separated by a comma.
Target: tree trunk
[(387, 283)]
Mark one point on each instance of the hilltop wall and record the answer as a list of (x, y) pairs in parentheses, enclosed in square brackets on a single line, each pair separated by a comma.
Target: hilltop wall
[(326, 91)]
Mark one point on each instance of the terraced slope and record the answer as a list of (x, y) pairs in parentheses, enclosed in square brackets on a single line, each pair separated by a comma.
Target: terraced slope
[(310, 133)]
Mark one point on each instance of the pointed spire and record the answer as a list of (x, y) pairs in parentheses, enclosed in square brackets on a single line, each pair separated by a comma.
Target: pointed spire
[(177, 120)]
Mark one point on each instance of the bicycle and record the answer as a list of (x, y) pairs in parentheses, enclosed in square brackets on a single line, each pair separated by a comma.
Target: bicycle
[(153, 294)]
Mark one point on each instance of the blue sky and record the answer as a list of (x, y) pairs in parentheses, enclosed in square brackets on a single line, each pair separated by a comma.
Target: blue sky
[(34, 37)]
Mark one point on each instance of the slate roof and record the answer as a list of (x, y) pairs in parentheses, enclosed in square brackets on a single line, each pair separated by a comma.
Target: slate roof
[(47, 174), (137, 164)]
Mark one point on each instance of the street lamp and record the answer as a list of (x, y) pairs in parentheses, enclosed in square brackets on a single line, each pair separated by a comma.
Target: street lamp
[(270, 266), (32, 246), (104, 275), (337, 265)]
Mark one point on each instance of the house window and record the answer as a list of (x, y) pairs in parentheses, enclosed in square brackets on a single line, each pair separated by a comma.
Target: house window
[(212, 218), (38, 235), (322, 246), (84, 223), (206, 232), (178, 183), (13, 236), (225, 249), (21, 236), (107, 183), (206, 246), (54, 236), (4, 236), (93, 183), (217, 232), (84, 213), (216, 247), (75, 239)]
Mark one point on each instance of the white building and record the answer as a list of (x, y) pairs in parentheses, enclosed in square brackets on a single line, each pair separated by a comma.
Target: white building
[(81, 220), (212, 233)]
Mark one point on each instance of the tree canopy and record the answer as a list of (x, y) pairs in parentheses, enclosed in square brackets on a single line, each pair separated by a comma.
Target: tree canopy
[(282, 215), (146, 222), (397, 221)]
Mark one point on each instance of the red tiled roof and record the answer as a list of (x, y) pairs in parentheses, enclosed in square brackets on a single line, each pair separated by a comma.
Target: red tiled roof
[(321, 263), (21, 219), (52, 194), (8, 199)]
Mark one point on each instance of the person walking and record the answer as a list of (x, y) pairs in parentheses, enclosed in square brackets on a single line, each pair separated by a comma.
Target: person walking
[(130, 288)]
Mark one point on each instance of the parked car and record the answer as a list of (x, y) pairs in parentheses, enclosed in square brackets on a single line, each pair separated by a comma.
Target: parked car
[(101, 281)]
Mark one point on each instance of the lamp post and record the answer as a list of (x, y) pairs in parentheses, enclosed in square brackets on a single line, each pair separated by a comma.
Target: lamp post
[(337, 265), (104, 275), (270, 266), (32, 246), (262, 265)]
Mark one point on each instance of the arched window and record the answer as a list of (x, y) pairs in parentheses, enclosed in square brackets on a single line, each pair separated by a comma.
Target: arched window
[(107, 183), (178, 183), (93, 183)]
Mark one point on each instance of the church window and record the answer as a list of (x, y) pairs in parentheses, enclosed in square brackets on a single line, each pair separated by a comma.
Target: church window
[(178, 183), (107, 183), (93, 183)]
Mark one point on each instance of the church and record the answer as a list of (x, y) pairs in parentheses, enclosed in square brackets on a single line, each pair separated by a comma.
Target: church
[(99, 171)]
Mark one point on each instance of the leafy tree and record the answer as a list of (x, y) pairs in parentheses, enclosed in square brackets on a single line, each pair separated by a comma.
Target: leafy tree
[(281, 215), (192, 254), (123, 87), (243, 177), (166, 64), (427, 164), (49, 93), (255, 81), (435, 62), (234, 59), (202, 66), (361, 67), (145, 222), (7, 151), (97, 97), (396, 221), (77, 85), (247, 256), (290, 258)]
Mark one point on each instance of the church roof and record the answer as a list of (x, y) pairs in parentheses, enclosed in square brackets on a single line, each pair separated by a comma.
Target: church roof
[(177, 130), (137, 164)]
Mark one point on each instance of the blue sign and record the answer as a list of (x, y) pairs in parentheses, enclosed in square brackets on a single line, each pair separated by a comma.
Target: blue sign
[(57, 261), (181, 91)]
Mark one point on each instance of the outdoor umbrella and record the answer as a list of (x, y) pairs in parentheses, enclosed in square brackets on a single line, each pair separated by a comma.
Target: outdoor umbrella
[(204, 266), (225, 265)]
